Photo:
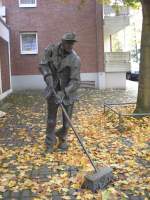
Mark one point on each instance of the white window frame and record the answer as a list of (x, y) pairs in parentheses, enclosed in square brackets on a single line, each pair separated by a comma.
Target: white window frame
[(25, 5), (28, 52)]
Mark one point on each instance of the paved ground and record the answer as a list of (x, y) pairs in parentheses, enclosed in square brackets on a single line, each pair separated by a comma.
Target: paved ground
[(132, 85), (25, 112)]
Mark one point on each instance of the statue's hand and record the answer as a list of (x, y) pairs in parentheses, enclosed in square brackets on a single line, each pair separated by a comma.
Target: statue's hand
[(59, 97), (48, 92), (49, 81)]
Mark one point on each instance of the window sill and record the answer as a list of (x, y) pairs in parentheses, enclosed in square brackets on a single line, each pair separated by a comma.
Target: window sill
[(28, 53), (27, 6)]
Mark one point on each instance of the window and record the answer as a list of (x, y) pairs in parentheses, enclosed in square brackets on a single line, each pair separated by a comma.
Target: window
[(27, 3), (28, 43)]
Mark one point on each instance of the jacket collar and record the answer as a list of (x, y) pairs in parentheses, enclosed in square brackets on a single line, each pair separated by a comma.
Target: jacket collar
[(61, 52)]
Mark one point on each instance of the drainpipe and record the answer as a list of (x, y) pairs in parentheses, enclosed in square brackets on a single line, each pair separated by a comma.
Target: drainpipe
[(110, 43), (100, 74)]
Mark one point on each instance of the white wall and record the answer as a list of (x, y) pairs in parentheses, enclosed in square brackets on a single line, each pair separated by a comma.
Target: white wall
[(27, 82), (115, 80), (102, 81), (4, 32), (107, 44), (37, 82)]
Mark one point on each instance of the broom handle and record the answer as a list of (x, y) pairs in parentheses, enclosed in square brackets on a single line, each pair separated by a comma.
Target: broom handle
[(77, 135)]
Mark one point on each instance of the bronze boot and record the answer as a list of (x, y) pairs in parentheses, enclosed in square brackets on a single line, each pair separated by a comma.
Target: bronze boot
[(63, 145)]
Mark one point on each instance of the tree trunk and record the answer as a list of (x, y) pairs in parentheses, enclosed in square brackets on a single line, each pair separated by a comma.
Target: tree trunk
[(143, 99)]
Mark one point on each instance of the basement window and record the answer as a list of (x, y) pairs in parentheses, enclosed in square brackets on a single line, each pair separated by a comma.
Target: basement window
[(28, 43), (27, 3)]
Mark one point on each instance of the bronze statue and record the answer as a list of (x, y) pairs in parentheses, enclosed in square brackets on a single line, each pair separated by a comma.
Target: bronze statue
[(60, 67)]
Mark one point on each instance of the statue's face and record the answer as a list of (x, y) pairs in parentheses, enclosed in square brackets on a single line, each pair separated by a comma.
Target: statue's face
[(67, 45)]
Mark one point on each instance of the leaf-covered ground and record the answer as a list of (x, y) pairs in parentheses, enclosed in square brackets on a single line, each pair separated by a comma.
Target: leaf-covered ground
[(26, 172)]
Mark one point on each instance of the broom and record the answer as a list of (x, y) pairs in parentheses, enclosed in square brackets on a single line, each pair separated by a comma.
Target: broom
[(97, 179)]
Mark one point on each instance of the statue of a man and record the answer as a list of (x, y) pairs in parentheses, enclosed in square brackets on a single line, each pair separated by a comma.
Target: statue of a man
[(60, 67)]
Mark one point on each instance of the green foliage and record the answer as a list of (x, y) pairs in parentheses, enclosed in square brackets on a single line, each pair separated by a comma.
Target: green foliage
[(115, 3), (131, 3)]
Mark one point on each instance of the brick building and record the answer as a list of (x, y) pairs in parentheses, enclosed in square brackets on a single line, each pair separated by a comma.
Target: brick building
[(36, 23), (5, 71)]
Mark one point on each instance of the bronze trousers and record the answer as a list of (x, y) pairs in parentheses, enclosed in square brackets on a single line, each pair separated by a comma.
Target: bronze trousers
[(52, 120)]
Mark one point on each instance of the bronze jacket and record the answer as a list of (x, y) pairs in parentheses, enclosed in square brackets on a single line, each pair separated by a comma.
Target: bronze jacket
[(64, 68)]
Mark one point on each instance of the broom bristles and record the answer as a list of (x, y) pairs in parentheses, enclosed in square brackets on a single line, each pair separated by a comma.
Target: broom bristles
[(98, 180)]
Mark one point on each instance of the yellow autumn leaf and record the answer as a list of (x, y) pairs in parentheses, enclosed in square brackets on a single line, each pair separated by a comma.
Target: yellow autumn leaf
[(11, 183), (66, 197), (79, 197), (64, 175), (65, 189), (89, 196), (75, 186), (28, 183)]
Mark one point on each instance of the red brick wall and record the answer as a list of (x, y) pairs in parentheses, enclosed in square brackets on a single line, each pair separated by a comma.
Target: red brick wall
[(4, 62), (51, 19)]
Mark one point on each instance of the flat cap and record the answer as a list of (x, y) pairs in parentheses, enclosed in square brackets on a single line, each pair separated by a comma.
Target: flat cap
[(70, 36)]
